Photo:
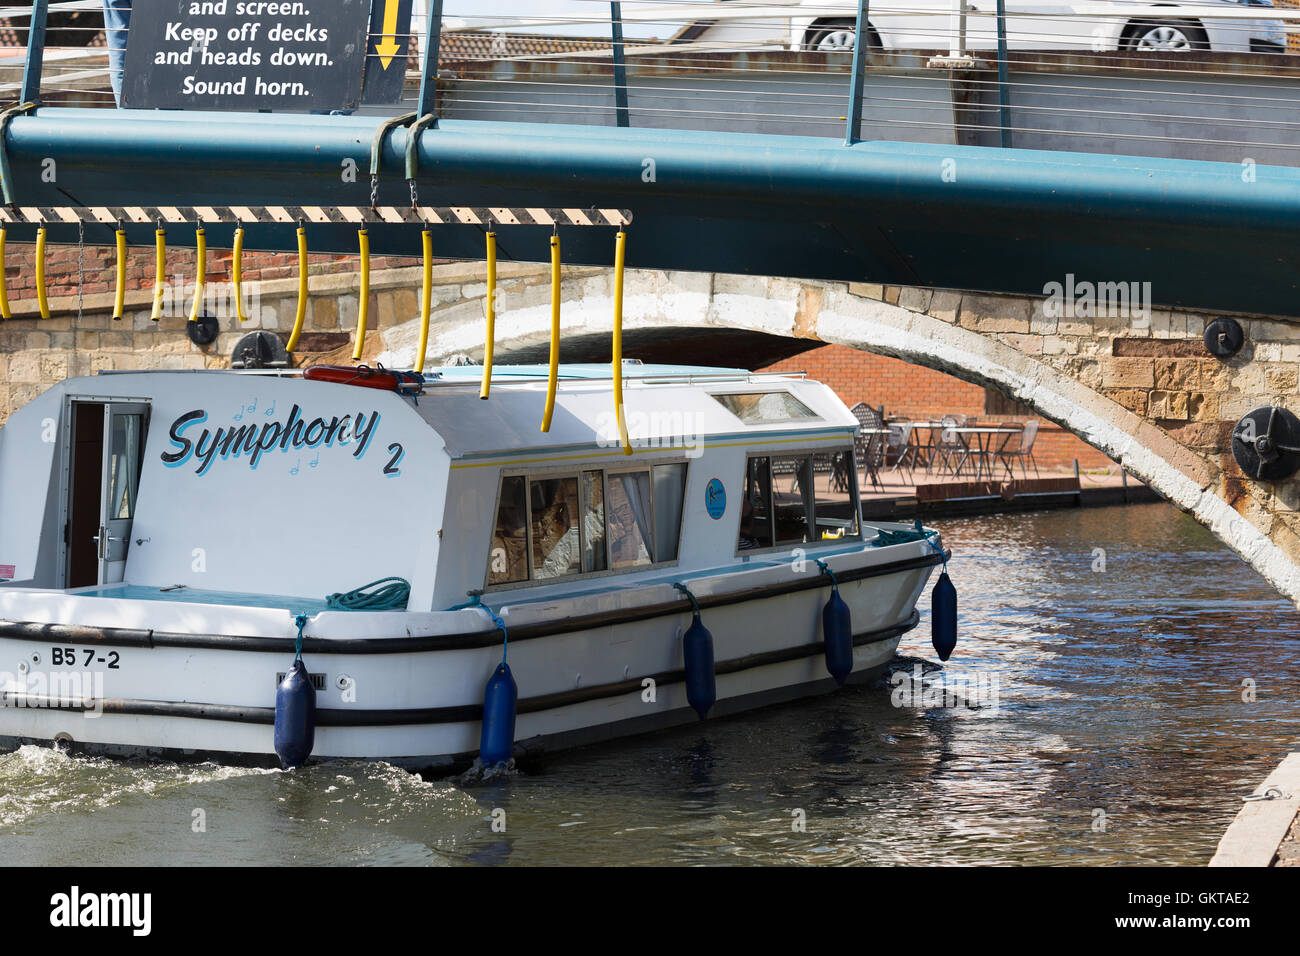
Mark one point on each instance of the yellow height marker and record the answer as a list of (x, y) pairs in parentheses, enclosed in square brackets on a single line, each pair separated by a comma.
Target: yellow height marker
[(490, 336), (619, 246), (41, 299), (159, 274), (363, 305), (553, 380), (119, 293), (237, 274), (426, 300), (4, 286), (200, 271), (302, 291)]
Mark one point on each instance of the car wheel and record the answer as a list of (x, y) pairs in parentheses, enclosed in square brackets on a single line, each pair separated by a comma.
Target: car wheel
[(837, 36), (1166, 36)]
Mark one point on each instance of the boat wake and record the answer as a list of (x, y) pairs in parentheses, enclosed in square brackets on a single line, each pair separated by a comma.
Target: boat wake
[(36, 780)]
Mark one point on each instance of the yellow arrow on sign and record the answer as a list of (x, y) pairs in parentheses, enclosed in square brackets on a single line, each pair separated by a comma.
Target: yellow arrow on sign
[(388, 46)]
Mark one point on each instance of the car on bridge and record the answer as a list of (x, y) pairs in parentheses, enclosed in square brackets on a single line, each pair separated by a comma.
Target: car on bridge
[(1080, 25)]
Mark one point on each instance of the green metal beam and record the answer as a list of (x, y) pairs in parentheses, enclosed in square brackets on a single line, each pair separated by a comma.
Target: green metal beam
[(942, 216)]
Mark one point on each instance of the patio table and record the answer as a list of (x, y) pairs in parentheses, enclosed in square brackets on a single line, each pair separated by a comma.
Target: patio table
[(982, 449)]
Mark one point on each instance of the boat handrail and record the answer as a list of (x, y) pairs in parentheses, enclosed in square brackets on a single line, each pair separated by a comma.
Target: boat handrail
[(504, 378)]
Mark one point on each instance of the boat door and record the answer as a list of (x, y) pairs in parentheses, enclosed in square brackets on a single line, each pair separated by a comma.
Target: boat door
[(104, 479)]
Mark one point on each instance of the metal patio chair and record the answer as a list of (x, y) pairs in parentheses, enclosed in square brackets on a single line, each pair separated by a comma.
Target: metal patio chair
[(1021, 448), (900, 445), (869, 449), (948, 446)]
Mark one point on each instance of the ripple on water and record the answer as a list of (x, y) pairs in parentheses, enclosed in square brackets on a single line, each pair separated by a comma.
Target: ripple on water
[(36, 780), (1120, 736)]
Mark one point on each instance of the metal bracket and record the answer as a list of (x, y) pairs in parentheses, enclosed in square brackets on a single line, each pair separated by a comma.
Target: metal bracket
[(377, 151), (413, 135)]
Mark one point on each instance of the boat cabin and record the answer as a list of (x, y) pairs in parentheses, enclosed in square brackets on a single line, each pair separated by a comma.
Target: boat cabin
[(266, 484)]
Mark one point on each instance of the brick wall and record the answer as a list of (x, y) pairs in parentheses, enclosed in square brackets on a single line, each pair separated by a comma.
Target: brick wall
[(917, 392), (877, 379), (98, 265)]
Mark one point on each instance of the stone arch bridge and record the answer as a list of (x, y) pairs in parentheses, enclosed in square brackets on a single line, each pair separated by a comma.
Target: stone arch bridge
[(1140, 387)]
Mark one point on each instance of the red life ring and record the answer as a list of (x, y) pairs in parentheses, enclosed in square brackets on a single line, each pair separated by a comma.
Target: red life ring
[(366, 377)]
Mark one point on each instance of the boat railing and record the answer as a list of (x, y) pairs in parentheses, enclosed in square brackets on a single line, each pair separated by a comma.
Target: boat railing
[(432, 380)]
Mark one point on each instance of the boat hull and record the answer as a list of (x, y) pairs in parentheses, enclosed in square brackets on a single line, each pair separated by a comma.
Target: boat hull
[(205, 696)]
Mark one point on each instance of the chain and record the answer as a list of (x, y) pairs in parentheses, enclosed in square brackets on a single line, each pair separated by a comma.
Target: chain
[(415, 195), (374, 190), (81, 266)]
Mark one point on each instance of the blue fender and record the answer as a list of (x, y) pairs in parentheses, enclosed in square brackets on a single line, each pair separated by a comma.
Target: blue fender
[(837, 630), (943, 617), (295, 717), (500, 703), (701, 684)]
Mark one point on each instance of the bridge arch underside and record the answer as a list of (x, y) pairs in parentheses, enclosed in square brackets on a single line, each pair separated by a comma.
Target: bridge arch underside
[(1142, 390)]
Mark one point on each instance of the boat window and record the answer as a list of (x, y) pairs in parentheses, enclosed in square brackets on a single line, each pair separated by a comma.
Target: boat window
[(756, 506), (670, 488), (555, 511), (765, 408), (593, 522), (508, 562), (835, 484), (631, 517), (551, 526), (124, 466), (792, 498)]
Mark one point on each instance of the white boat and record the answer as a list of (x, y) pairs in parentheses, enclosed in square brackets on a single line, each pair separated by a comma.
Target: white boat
[(163, 535)]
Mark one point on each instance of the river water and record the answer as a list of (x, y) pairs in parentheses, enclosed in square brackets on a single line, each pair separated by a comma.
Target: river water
[(1119, 726)]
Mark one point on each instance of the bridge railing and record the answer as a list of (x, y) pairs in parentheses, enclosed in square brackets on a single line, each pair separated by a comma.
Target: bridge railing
[(1012, 66)]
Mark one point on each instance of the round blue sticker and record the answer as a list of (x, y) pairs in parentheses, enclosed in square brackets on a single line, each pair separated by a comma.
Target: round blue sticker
[(715, 499)]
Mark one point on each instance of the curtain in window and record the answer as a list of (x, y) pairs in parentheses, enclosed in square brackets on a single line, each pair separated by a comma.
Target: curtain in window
[(636, 486), (669, 487)]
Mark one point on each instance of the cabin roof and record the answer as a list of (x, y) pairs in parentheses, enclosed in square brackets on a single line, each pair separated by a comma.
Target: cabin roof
[(665, 407)]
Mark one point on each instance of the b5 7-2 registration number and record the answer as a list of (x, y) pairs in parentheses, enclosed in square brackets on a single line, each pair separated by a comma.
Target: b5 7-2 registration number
[(82, 657)]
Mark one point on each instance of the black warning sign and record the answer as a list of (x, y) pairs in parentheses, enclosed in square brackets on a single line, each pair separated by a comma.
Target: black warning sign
[(287, 55)]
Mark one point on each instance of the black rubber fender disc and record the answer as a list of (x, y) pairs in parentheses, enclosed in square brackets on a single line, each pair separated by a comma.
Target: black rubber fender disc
[(203, 330), (1224, 337), (1266, 443)]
